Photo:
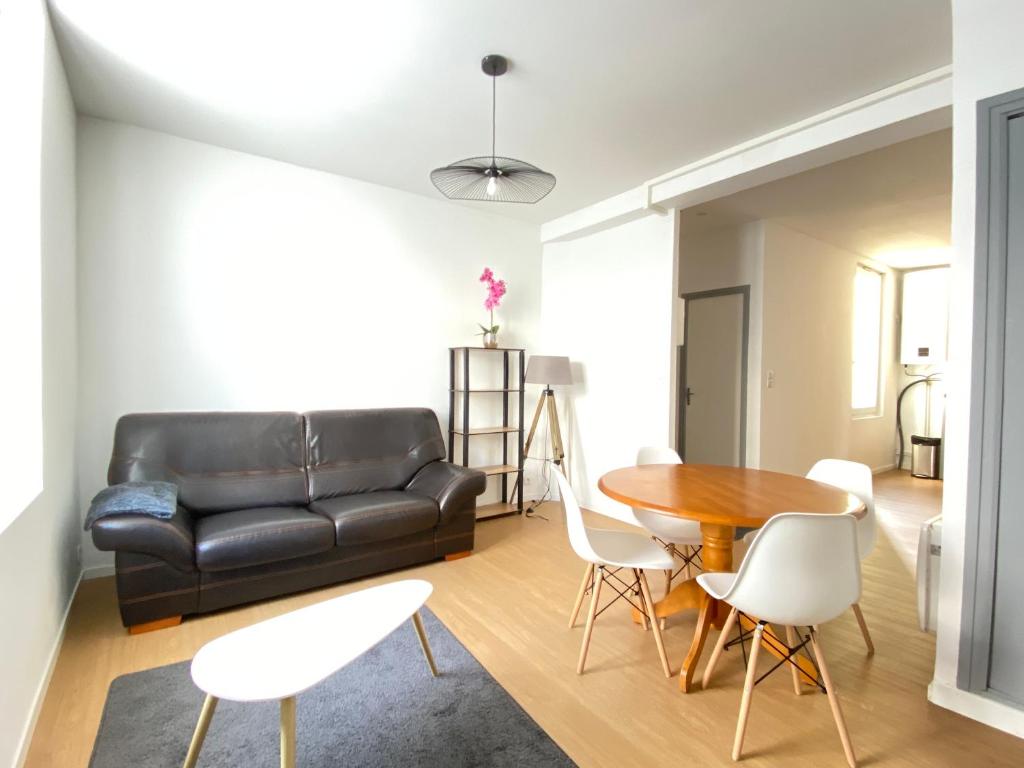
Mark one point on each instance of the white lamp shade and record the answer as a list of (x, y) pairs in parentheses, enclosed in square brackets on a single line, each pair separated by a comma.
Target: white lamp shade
[(548, 369)]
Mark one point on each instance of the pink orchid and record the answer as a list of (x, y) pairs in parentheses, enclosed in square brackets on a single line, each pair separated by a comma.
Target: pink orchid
[(495, 291)]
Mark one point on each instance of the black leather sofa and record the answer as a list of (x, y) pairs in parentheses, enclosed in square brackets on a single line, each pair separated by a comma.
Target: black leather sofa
[(273, 503)]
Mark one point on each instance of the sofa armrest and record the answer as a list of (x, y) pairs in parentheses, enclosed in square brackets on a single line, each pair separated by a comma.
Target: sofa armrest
[(170, 540), (451, 486)]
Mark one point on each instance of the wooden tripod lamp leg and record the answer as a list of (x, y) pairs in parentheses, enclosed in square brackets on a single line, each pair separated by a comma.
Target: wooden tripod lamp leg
[(557, 449), (533, 425), (529, 440)]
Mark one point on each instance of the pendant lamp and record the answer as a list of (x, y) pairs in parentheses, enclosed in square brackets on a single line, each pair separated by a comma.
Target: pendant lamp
[(491, 177)]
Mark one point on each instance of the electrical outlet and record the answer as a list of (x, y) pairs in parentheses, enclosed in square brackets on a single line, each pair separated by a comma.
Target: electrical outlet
[(771, 379)]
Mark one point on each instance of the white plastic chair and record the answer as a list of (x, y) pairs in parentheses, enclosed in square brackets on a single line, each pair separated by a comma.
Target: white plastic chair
[(679, 536), (801, 570), (854, 478), (607, 552)]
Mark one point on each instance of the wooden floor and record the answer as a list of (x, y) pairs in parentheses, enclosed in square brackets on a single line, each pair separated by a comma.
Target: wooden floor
[(508, 604)]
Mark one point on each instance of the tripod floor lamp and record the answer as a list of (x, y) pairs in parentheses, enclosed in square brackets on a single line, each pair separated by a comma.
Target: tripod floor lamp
[(550, 371)]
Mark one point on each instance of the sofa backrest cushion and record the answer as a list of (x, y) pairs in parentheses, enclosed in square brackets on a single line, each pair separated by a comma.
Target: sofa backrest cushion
[(220, 461), (369, 450)]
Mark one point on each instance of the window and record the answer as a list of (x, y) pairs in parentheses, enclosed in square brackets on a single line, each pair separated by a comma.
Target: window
[(867, 340)]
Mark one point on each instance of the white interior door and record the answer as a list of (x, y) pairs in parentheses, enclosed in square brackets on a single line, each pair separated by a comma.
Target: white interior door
[(713, 389)]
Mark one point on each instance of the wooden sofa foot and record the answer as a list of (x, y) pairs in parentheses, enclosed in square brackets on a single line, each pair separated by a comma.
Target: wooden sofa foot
[(150, 626), (458, 555)]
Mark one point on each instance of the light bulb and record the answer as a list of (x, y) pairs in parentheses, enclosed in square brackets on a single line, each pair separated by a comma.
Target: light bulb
[(492, 186)]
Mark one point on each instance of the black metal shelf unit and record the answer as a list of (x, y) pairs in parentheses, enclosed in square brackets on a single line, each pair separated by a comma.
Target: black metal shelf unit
[(461, 396)]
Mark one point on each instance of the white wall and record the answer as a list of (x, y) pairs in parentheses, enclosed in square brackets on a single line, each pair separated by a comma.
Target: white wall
[(212, 279), (808, 321), (607, 304), (724, 258), (38, 552), (987, 60)]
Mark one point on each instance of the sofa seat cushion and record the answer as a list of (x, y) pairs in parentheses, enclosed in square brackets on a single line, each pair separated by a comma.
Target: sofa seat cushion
[(364, 518), (247, 537)]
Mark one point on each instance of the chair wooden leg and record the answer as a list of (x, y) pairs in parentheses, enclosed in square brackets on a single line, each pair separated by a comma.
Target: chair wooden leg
[(748, 690), (833, 700), (199, 736), (864, 629), (723, 638), (644, 622), (598, 578), (791, 640), (588, 575), (421, 633), (655, 625)]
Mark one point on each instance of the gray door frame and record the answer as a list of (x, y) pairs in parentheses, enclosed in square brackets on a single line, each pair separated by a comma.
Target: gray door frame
[(744, 291), (986, 410)]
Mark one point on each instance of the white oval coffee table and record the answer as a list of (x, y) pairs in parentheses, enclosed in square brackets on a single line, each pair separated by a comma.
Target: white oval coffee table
[(274, 660)]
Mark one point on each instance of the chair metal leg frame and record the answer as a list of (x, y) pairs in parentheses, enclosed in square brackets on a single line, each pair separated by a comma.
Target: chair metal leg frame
[(587, 586), (751, 680), (784, 649), (602, 576), (625, 592), (692, 558)]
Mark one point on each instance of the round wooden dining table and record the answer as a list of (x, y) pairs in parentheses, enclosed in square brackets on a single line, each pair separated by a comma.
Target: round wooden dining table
[(720, 499)]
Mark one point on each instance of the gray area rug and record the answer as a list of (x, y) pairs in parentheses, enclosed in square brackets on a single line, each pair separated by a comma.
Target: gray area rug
[(384, 710)]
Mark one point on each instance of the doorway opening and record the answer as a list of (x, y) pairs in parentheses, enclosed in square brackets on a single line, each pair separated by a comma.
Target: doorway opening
[(712, 394)]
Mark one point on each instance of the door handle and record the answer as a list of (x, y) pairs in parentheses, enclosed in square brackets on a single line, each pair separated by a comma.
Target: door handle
[(689, 394)]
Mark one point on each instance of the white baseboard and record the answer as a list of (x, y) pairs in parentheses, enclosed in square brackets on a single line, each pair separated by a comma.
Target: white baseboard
[(97, 572), (976, 706), (21, 755), (883, 468)]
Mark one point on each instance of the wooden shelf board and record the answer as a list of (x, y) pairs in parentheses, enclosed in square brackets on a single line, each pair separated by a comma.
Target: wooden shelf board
[(495, 510), (493, 349), (486, 431), (497, 469), (463, 391)]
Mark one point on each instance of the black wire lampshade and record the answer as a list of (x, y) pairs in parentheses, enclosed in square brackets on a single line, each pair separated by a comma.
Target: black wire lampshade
[(492, 178)]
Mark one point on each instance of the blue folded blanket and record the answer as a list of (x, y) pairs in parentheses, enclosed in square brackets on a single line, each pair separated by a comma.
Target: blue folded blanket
[(155, 499)]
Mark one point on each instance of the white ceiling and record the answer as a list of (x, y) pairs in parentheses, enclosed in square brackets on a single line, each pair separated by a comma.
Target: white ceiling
[(892, 204), (603, 93)]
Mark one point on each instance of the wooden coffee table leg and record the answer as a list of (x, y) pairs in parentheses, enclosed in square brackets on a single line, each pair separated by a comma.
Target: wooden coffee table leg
[(205, 716), (288, 732), (422, 635)]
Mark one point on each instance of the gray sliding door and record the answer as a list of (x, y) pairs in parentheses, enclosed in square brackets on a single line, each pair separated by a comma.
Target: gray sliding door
[(1006, 668), (992, 641)]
